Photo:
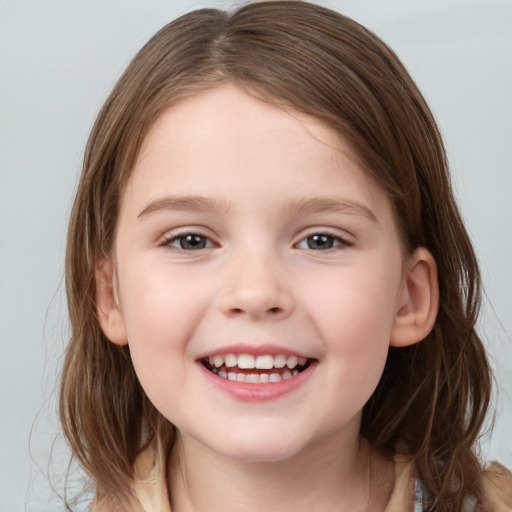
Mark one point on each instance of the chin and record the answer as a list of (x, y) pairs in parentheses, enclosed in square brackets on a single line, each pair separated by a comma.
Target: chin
[(258, 447)]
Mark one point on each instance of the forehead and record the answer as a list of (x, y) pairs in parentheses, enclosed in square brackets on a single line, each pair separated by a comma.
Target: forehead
[(220, 136), (229, 111)]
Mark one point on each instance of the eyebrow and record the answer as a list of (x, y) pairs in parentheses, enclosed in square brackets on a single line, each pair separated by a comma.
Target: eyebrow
[(294, 206), (329, 205), (185, 204)]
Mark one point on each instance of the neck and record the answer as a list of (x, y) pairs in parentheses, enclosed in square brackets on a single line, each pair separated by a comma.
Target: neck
[(323, 477)]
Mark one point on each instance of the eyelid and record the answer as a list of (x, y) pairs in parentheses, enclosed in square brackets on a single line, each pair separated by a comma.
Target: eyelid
[(322, 230), (343, 237), (174, 234)]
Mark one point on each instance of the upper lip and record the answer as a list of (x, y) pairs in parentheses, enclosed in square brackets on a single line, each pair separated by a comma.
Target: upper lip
[(255, 350)]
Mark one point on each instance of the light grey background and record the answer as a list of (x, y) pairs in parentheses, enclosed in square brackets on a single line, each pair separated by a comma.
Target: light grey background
[(58, 61)]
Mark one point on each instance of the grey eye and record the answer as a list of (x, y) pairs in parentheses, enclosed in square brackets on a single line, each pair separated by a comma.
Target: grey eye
[(320, 242), (190, 242)]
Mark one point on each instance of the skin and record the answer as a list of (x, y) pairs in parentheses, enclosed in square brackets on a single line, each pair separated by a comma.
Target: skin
[(260, 279)]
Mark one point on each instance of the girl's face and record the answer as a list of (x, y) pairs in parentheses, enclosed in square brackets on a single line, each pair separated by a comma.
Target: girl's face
[(248, 239)]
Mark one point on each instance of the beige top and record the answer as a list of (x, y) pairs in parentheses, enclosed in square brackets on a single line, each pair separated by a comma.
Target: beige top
[(150, 486)]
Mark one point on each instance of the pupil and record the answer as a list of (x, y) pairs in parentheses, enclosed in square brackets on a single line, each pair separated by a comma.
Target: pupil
[(193, 242), (320, 242)]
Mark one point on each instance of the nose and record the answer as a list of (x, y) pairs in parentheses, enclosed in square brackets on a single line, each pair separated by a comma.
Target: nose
[(257, 288)]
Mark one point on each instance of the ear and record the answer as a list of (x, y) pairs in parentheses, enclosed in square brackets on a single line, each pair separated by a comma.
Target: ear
[(110, 316), (418, 300)]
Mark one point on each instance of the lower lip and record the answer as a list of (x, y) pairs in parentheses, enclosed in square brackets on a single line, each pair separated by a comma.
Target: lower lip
[(265, 391)]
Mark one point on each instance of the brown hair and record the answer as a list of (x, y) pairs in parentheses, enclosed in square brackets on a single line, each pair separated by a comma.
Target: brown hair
[(433, 395)]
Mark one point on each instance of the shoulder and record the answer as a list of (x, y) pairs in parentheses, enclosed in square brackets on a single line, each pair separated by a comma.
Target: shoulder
[(149, 487), (409, 493), (498, 487)]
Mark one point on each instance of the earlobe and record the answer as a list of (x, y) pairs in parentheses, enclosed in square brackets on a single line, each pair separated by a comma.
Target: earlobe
[(110, 316), (418, 301)]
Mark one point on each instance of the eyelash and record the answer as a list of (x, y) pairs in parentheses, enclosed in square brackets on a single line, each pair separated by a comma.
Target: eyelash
[(168, 242), (335, 240)]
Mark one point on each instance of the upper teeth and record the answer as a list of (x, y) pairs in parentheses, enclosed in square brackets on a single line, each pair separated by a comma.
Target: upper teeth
[(263, 362)]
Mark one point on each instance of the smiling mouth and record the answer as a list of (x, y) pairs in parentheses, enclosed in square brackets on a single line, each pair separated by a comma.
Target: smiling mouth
[(255, 369)]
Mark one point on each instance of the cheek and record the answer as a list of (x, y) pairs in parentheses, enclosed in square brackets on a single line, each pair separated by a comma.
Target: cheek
[(358, 305), (355, 312), (356, 332), (160, 313), (156, 301)]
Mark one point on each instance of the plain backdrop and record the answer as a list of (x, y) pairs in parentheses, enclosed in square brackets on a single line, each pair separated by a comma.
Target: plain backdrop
[(58, 61)]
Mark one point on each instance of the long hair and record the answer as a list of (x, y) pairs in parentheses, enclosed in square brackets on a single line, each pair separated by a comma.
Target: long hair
[(433, 395)]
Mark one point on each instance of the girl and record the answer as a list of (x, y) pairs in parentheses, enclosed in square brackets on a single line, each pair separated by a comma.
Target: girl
[(272, 295)]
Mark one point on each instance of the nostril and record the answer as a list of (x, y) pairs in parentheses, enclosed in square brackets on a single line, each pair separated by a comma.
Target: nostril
[(273, 311)]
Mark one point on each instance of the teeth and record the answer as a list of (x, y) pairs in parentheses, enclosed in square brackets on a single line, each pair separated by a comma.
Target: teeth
[(292, 361), (256, 378), (245, 361), (262, 362), (279, 361), (231, 360)]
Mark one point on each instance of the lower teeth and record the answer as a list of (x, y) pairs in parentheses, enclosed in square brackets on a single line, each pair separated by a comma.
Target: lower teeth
[(255, 378)]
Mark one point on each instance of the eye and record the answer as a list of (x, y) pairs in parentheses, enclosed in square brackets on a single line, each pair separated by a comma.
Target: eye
[(189, 242), (322, 242)]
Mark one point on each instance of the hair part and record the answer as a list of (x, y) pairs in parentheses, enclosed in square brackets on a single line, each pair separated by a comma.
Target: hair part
[(433, 395)]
